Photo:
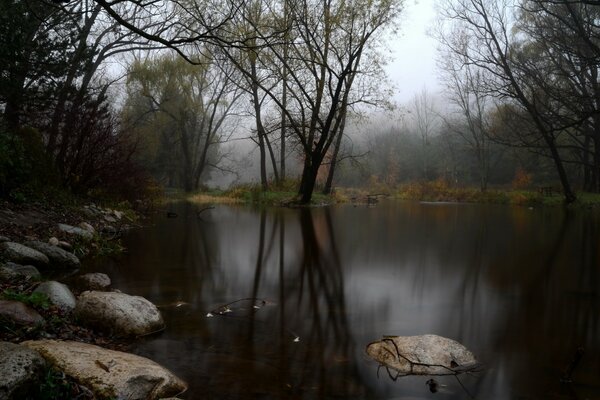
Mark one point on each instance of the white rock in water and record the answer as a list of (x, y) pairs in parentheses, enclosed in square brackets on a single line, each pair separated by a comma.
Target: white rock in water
[(109, 373), (422, 355)]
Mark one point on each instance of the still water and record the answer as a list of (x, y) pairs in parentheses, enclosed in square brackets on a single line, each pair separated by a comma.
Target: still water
[(518, 287)]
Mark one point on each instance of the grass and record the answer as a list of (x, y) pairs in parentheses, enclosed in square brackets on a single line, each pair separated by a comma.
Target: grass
[(34, 299), (435, 191), (253, 194)]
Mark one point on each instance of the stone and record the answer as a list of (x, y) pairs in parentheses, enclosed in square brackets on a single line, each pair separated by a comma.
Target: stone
[(21, 369), (109, 218), (109, 229), (95, 281), (4, 239), (20, 271), (65, 245), (19, 313), (7, 274), (87, 227), (57, 256), (118, 214), (58, 294), (75, 231), (21, 254), (422, 355), (53, 241), (118, 313), (109, 373)]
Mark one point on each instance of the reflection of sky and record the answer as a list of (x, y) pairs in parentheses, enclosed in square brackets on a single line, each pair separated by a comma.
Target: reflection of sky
[(414, 52), (509, 283)]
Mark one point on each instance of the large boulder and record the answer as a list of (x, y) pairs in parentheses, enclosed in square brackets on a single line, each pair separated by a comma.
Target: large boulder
[(94, 281), (57, 256), (21, 254), (75, 231), (20, 370), (108, 373), (422, 355), (58, 294), (19, 313), (11, 271), (118, 313)]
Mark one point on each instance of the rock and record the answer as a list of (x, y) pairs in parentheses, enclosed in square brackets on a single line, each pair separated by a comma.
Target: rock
[(95, 281), (118, 214), (434, 355), (20, 370), (24, 271), (65, 245), (109, 373), (53, 241), (7, 274), (4, 239), (110, 219), (87, 227), (57, 256), (19, 313), (58, 294), (75, 231), (118, 313), (109, 229), (23, 255)]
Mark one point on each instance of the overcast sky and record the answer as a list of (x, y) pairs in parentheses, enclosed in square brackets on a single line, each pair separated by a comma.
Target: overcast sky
[(414, 52)]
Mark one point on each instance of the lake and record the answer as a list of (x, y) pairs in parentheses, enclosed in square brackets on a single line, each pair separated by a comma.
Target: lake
[(519, 287)]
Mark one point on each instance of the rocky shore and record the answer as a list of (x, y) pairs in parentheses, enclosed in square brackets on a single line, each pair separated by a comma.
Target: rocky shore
[(64, 334)]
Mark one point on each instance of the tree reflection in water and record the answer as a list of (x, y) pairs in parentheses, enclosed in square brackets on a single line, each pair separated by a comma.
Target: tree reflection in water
[(518, 287)]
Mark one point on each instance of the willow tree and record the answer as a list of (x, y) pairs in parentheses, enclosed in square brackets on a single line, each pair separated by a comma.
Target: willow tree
[(180, 112)]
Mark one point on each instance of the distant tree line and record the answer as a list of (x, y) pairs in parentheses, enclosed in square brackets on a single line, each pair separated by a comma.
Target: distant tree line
[(521, 81)]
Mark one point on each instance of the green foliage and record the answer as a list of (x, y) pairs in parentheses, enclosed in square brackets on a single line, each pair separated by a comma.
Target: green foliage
[(55, 386), (34, 299), (25, 169)]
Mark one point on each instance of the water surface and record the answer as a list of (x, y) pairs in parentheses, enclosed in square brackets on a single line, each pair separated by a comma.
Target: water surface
[(518, 287)]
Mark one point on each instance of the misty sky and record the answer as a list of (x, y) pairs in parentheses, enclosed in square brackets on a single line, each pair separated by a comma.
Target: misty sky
[(414, 52)]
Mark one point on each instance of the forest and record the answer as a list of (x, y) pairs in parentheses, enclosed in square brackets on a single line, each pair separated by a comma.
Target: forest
[(119, 98)]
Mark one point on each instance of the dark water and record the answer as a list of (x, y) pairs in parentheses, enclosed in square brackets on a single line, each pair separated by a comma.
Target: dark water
[(518, 287)]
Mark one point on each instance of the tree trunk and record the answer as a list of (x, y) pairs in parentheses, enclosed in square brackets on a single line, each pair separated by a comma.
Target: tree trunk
[(333, 164), (309, 179)]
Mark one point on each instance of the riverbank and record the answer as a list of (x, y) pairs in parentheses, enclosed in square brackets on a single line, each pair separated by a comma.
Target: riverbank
[(62, 331), (430, 191)]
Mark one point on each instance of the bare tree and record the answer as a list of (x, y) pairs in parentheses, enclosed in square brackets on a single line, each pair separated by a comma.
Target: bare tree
[(465, 90), (489, 44), (426, 122)]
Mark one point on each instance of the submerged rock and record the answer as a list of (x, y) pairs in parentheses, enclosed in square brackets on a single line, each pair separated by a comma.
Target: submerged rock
[(422, 355), (20, 370), (21, 254), (118, 313), (58, 294), (57, 256), (19, 313), (109, 373)]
